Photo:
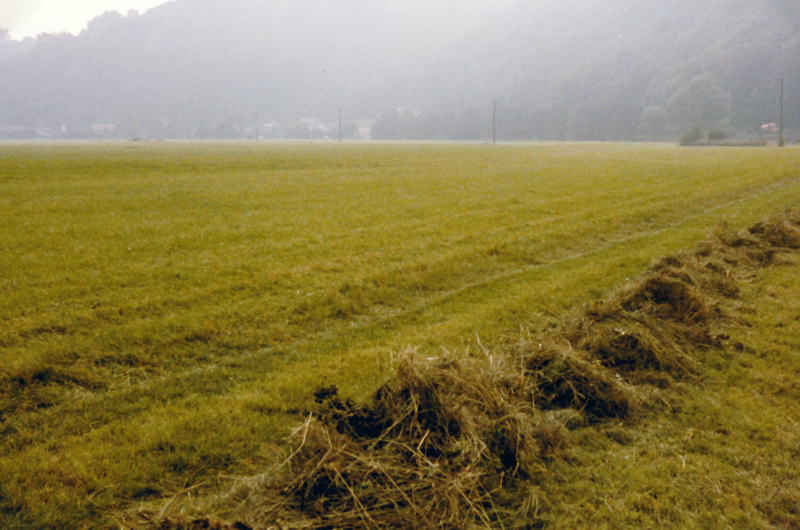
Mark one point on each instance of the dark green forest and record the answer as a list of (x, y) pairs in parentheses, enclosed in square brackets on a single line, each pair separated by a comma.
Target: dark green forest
[(575, 70)]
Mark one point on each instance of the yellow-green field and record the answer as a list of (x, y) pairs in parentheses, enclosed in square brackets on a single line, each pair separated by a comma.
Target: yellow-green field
[(167, 309)]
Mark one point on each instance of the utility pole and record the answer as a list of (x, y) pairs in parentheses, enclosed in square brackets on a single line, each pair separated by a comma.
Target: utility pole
[(340, 125), (780, 141), (494, 121), (256, 126)]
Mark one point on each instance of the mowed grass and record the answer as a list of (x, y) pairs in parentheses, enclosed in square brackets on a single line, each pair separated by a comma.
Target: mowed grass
[(718, 453), (166, 309)]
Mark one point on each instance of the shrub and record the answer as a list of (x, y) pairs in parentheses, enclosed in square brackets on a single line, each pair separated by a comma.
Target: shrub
[(717, 134), (693, 137)]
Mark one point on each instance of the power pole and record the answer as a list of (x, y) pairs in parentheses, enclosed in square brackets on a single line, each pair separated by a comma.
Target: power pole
[(494, 121), (256, 126), (340, 125), (780, 141)]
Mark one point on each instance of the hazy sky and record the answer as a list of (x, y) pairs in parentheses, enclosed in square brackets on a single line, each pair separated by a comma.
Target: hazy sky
[(28, 18)]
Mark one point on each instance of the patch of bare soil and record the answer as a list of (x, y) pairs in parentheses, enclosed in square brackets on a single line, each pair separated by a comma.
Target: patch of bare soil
[(458, 442)]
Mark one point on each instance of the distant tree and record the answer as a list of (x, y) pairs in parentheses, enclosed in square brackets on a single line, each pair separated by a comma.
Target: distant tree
[(701, 102), (717, 135), (233, 125), (654, 122), (395, 124), (317, 133), (299, 131), (693, 136)]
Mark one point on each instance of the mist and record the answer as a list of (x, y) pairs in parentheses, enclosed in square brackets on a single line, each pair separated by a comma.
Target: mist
[(446, 70)]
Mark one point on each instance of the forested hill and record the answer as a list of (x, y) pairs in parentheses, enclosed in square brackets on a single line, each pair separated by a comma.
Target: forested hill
[(623, 69), (574, 69)]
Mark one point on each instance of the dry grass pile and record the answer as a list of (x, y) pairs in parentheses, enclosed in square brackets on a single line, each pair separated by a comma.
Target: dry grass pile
[(564, 378), (458, 441), (437, 447), (648, 331)]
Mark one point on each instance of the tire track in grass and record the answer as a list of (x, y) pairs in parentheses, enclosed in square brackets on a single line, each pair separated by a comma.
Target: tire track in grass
[(339, 345), (412, 311), (388, 328)]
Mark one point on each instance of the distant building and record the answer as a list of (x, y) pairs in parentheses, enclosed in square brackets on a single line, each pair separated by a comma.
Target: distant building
[(104, 127), (365, 128), (16, 132)]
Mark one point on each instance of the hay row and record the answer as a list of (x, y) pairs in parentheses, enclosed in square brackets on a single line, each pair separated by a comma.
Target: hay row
[(457, 441)]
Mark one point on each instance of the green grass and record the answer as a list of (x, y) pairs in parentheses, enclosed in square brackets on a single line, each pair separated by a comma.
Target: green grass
[(718, 454), (166, 309)]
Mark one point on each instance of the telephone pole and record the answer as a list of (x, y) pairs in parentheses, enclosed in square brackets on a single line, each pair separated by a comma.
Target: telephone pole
[(780, 141), (494, 121)]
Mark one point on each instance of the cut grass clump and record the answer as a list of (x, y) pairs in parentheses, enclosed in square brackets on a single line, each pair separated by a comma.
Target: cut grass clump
[(459, 441), (646, 326), (655, 323), (434, 447), (781, 234), (564, 379), (760, 244)]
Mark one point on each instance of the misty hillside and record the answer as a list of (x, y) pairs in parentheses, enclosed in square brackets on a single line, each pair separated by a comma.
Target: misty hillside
[(625, 69), (577, 69)]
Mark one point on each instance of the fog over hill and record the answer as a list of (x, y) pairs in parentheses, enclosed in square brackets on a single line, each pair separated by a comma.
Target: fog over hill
[(573, 70)]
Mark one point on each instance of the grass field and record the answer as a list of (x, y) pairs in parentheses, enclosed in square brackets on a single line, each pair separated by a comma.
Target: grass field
[(167, 309)]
